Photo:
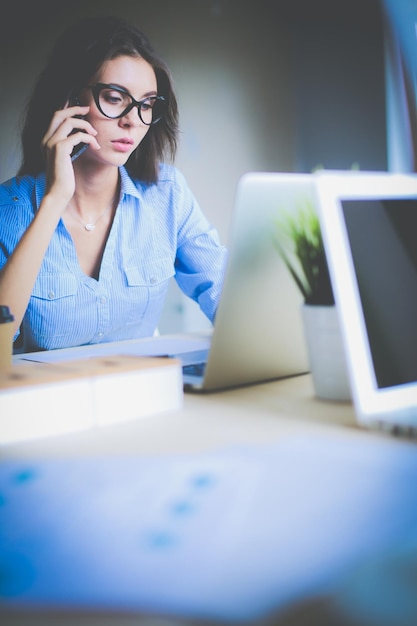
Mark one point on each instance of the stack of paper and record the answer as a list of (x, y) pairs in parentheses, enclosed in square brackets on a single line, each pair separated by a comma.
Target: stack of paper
[(39, 399)]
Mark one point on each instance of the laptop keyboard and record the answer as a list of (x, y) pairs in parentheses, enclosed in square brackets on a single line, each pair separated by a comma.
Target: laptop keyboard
[(194, 369)]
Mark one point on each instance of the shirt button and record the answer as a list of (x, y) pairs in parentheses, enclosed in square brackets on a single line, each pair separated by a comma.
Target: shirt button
[(153, 280), (51, 295), (99, 334), (103, 300)]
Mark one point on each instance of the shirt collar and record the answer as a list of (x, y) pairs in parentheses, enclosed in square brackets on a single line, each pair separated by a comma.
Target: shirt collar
[(127, 186)]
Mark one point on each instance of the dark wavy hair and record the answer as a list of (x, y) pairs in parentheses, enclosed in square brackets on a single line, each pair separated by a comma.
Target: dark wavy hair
[(75, 59)]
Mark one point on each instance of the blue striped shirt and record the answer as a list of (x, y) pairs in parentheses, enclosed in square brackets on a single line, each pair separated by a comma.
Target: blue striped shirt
[(158, 232)]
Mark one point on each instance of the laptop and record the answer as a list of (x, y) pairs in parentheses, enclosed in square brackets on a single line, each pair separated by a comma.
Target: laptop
[(258, 333), (369, 223)]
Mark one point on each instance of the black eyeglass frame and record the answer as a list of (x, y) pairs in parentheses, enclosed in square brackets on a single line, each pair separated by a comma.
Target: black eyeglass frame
[(98, 87)]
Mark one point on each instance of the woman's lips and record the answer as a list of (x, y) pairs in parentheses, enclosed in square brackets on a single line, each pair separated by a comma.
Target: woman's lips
[(122, 144)]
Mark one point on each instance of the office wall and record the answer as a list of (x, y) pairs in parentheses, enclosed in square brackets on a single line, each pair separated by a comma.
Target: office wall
[(339, 77), (280, 85)]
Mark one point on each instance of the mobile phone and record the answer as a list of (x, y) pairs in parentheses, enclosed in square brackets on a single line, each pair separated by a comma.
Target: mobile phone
[(80, 147)]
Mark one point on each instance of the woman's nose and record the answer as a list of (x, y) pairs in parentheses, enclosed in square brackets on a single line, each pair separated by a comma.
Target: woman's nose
[(131, 118)]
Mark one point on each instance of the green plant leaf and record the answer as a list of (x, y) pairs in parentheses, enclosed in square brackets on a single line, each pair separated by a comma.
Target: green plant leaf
[(299, 242)]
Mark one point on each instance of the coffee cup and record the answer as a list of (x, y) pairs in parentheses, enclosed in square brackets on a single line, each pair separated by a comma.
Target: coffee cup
[(6, 338)]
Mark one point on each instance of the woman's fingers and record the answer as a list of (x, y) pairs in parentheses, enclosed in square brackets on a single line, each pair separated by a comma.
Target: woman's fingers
[(73, 139), (64, 133), (64, 125)]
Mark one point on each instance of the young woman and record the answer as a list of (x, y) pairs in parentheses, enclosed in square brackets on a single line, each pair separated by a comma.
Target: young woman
[(95, 224)]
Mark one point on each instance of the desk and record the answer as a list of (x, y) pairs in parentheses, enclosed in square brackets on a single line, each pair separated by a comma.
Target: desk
[(257, 415), (252, 414)]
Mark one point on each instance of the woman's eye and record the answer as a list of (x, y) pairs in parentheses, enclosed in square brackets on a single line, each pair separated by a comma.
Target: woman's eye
[(146, 105), (112, 97)]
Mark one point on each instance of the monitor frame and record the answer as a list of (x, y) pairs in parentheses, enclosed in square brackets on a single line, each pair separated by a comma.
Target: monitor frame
[(372, 403)]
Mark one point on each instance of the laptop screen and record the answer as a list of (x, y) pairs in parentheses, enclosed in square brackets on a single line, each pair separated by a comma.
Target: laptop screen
[(383, 241)]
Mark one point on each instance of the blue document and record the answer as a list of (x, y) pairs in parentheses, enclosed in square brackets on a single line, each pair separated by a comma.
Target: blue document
[(232, 535)]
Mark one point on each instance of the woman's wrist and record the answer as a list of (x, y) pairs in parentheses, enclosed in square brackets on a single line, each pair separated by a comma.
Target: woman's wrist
[(53, 204)]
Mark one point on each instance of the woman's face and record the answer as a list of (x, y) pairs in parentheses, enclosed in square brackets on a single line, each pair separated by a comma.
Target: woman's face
[(119, 137)]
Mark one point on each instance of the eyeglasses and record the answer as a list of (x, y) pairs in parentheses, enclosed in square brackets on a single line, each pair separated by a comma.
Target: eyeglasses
[(115, 102)]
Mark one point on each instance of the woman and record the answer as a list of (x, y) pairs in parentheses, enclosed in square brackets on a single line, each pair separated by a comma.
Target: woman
[(95, 224)]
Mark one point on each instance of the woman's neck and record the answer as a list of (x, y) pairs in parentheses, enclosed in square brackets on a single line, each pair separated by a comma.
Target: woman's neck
[(94, 192)]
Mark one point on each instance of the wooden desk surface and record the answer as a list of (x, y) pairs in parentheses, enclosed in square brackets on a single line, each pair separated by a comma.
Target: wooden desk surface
[(251, 414)]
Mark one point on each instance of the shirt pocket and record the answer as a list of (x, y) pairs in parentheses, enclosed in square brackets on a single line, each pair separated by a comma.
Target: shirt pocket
[(53, 314), (55, 286), (147, 285), (149, 274)]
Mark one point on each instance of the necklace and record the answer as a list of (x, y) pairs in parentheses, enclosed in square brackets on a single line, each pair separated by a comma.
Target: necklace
[(90, 226)]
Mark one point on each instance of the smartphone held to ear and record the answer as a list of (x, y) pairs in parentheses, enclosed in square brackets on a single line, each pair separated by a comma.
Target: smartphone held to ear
[(81, 147), (78, 150)]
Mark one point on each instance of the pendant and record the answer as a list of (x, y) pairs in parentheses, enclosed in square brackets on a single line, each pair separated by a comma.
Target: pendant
[(89, 227)]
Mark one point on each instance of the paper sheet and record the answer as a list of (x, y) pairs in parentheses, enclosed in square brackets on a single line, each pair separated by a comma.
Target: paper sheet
[(154, 346), (231, 535)]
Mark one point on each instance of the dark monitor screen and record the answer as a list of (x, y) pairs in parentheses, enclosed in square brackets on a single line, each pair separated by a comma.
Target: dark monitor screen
[(383, 241)]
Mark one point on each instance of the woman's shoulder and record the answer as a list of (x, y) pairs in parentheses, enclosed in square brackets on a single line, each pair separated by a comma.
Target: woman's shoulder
[(169, 173), (17, 190), (170, 179)]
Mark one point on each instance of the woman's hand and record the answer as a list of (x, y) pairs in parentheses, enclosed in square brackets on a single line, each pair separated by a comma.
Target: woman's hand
[(23, 265), (64, 133)]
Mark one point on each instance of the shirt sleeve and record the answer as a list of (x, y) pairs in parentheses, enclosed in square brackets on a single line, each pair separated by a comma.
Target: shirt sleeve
[(16, 213), (201, 258), (9, 221)]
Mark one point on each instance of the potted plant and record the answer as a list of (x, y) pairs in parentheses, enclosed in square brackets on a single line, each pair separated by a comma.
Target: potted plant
[(299, 242)]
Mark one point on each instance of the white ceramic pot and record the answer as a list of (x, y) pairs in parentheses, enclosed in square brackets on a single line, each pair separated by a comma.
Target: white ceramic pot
[(326, 352)]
